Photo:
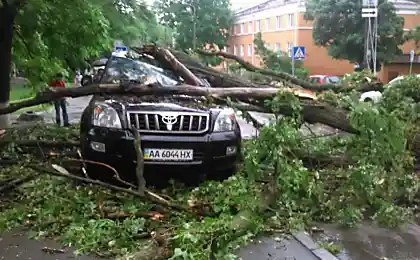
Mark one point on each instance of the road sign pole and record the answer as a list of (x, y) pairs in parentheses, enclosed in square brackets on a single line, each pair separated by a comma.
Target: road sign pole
[(412, 54), (293, 65), (298, 53)]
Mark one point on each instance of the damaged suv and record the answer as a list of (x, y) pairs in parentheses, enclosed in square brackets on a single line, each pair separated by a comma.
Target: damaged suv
[(186, 137)]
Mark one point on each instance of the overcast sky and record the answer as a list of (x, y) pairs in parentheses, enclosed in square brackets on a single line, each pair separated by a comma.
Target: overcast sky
[(244, 3), (236, 4)]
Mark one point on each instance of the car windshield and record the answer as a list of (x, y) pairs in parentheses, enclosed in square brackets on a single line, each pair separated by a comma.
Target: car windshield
[(124, 69), (333, 79)]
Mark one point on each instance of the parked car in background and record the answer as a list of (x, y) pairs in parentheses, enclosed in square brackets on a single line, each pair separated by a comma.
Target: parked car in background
[(190, 137), (324, 79), (376, 96)]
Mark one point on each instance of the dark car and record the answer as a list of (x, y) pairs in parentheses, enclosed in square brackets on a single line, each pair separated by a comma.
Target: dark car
[(186, 137)]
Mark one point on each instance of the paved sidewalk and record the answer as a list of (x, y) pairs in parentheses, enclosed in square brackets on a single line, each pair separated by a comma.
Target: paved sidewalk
[(17, 246)]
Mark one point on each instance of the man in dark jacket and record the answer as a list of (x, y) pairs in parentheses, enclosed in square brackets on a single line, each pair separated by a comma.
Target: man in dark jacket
[(61, 103)]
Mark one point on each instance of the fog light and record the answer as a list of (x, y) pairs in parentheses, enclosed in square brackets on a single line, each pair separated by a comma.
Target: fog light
[(99, 147), (230, 150)]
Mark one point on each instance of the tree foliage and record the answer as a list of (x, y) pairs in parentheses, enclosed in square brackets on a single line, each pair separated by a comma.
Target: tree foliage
[(213, 20), (414, 35), (338, 26), (59, 36), (277, 60)]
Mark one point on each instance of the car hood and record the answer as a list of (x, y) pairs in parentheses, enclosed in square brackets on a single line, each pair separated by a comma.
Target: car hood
[(153, 103)]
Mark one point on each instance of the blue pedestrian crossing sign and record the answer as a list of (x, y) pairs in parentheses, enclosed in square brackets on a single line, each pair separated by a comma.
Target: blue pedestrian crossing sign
[(299, 53), (120, 48)]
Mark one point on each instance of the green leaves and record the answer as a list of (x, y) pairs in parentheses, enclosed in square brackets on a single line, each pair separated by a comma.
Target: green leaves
[(212, 20), (277, 60), (338, 26), (60, 36)]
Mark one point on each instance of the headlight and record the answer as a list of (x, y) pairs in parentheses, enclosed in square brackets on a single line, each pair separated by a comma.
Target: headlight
[(225, 121), (106, 116)]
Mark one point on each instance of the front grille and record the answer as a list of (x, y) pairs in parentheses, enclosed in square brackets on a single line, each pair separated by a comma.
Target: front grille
[(168, 122)]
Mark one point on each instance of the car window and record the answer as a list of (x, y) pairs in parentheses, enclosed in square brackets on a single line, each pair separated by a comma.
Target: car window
[(314, 80), (125, 69), (333, 79)]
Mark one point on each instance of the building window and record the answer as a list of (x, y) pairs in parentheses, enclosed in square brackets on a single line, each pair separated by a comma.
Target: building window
[(278, 21), (289, 49), (242, 50), (250, 27), (267, 24), (277, 46), (258, 26), (242, 28), (235, 50), (291, 20), (249, 49)]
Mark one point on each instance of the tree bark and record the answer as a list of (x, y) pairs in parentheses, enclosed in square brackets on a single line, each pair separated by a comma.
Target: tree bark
[(313, 111), (6, 36)]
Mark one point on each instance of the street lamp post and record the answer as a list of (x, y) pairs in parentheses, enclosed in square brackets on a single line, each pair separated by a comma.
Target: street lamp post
[(194, 24)]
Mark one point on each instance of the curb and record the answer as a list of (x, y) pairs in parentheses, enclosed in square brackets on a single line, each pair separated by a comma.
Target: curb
[(307, 241)]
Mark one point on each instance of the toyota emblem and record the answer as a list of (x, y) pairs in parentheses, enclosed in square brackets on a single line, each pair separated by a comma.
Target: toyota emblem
[(169, 119)]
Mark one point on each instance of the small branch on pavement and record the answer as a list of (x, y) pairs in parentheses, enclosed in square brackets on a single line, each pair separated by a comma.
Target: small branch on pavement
[(43, 143), (148, 195), (12, 184), (116, 174), (122, 214)]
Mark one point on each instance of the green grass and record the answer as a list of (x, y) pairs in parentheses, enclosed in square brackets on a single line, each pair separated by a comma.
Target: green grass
[(21, 93), (18, 93)]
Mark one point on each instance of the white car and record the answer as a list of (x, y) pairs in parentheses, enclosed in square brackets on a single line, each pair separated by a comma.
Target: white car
[(376, 96)]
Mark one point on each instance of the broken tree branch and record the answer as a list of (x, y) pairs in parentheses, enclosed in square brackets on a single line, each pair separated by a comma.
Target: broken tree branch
[(141, 182), (177, 67), (313, 111), (43, 143), (287, 77)]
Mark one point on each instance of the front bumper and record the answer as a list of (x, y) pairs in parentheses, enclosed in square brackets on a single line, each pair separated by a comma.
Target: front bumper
[(116, 147)]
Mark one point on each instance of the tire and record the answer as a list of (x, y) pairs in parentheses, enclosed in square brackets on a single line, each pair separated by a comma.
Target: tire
[(369, 100)]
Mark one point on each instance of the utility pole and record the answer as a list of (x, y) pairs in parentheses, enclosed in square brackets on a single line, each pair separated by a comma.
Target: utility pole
[(370, 11)]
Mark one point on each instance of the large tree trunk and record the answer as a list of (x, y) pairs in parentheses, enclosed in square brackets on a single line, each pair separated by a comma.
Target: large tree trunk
[(6, 37)]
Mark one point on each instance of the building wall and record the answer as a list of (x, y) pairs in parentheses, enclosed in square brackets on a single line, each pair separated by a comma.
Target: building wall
[(286, 27), (392, 71)]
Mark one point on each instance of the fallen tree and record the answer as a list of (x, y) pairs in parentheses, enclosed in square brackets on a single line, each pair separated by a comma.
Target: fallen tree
[(281, 184)]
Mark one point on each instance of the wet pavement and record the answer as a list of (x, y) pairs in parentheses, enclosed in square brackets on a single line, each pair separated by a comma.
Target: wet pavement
[(371, 242), (275, 248), (17, 246)]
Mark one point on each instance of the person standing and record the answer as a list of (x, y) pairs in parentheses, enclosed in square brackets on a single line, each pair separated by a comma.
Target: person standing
[(58, 82), (78, 79)]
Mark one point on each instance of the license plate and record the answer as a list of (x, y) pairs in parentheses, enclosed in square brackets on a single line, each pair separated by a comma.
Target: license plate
[(168, 154)]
